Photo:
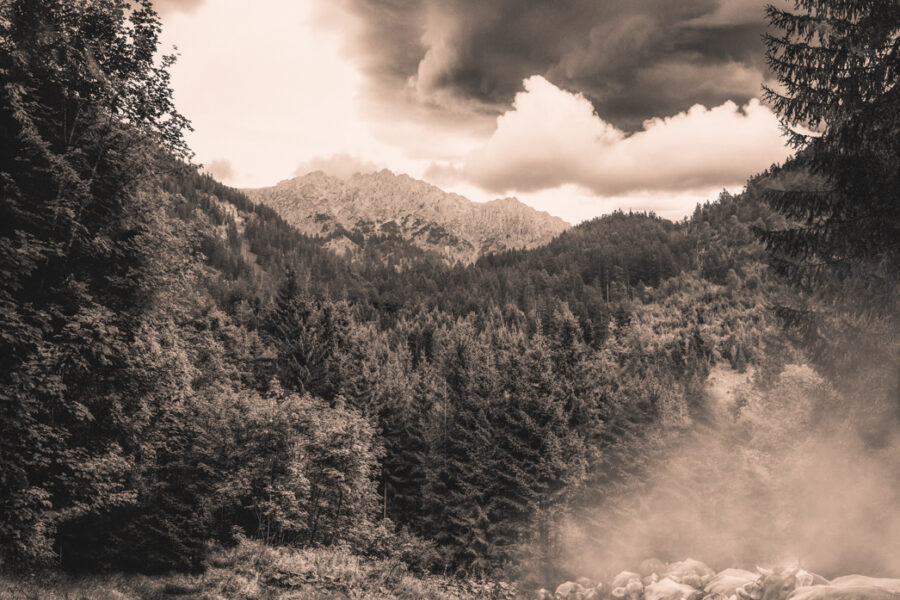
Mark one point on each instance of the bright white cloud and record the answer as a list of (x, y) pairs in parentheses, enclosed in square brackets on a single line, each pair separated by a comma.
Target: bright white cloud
[(267, 88), (552, 137), (167, 6)]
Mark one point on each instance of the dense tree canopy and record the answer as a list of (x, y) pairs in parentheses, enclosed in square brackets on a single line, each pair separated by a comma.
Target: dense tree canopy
[(85, 114)]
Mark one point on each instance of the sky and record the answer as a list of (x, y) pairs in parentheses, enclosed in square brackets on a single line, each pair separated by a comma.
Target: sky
[(576, 107)]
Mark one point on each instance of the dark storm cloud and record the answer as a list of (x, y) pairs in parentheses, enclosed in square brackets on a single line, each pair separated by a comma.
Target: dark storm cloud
[(634, 59)]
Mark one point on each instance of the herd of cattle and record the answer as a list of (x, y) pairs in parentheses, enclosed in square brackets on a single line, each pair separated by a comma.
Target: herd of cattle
[(692, 580)]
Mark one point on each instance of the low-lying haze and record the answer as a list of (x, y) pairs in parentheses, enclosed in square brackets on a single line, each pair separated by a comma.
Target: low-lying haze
[(785, 472)]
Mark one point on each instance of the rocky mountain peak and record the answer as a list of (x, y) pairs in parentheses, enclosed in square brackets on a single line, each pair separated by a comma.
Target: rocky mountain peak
[(388, 204)]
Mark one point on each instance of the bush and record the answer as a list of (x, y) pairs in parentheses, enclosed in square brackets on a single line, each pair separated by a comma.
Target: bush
[(419, 555), (299, 471)]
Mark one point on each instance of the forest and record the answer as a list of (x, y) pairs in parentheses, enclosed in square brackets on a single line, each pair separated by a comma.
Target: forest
[(180, 368)]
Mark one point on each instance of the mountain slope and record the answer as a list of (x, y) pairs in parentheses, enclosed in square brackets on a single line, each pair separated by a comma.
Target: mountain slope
[(385, 204)]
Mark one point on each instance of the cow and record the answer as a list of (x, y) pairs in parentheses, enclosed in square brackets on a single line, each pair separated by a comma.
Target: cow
[(838, 592), (737, 573), (669, 589), (624, 577), (864, 581), (689, 572), (750, 591), (596, 593), (727, 582), (627, 584), (570, 590), (777, 584)]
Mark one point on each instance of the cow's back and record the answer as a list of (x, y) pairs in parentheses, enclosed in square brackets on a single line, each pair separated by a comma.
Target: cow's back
[(865, 581), (833, 592), (727, 584)]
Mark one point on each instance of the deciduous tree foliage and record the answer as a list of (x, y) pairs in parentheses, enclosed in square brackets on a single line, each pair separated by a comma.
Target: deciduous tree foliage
[(84, 114)]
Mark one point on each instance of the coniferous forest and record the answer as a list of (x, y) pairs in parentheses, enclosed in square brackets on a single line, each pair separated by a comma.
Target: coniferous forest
[(181, 370)]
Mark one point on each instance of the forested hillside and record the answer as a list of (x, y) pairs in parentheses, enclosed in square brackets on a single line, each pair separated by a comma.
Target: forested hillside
[(181, 367), (522, 392)]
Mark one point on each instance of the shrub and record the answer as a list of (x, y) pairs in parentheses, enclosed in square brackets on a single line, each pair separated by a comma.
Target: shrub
[(300, 471)]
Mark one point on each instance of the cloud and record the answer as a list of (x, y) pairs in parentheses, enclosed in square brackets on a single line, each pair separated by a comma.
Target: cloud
[(268, 87), (470, 56), (734, 12), (221, 169), (342, 166), (170, 6), (290, 84), (575, 204), (552, 137)]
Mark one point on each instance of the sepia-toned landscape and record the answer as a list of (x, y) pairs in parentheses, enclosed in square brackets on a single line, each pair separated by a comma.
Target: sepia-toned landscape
[(372, 299)]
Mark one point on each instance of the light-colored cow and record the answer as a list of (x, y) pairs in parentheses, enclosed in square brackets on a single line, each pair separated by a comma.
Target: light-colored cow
[(623, 578), (627, 584), (777, 584), (727, 582), (737, 573), (570, 590), (838, 592), (596, 593), (864, 581), (668, 589), (689, 572)]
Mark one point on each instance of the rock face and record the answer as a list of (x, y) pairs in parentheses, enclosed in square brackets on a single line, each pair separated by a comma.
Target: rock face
[(386, 204)]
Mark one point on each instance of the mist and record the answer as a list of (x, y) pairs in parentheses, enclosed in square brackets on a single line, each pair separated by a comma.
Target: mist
[(785, 470)]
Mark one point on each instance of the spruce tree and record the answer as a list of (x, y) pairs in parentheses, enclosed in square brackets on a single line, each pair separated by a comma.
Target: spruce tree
[(837, 66), (311, 338), (404, 466), (455, 492)]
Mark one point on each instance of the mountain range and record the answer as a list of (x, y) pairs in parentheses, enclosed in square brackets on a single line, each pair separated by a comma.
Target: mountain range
[(366, 205)]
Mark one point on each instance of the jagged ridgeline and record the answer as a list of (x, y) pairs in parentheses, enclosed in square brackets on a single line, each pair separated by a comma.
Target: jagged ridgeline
[(384, 205)]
